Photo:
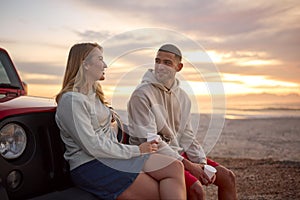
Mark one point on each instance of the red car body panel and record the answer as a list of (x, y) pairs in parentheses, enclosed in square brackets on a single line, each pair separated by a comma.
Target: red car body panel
[(25, 104)]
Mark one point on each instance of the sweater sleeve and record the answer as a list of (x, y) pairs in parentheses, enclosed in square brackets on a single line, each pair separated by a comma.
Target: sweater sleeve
[(142, 121), (75, 118), (140, 118), (190, 144)]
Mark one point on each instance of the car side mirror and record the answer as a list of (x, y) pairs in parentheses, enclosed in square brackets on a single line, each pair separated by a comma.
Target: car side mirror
[(25, 88)]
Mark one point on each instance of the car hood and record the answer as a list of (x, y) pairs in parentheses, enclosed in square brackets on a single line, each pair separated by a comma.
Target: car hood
[(25, 104)]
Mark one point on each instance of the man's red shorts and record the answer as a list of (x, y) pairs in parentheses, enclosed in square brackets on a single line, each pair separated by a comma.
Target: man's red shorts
[(189, 178)]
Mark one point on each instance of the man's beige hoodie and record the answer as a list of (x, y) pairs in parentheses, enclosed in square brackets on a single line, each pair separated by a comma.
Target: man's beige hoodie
[(153, 108)]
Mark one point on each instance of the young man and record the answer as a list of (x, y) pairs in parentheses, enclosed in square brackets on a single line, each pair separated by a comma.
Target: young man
[(158, 105)]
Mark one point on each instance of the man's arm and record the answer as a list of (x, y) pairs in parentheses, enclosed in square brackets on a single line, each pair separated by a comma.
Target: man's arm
[(142, 121), (190, 144), (140, 118)]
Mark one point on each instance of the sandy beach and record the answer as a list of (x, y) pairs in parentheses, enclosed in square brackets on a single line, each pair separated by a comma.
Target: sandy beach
[(265, 156), (273, 138)]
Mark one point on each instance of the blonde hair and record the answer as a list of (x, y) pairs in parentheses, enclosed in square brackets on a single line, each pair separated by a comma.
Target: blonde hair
[(74, 77)]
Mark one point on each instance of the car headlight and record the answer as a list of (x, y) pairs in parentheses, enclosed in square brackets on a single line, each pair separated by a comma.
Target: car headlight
[(13, 141)]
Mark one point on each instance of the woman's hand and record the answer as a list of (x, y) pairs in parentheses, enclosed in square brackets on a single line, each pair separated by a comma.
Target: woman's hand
[(148, 147)]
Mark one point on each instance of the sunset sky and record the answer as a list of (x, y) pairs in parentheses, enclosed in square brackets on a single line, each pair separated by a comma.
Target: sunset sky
[(250, 47)]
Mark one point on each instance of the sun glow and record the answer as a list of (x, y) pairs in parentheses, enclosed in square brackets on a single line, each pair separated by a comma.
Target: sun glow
[(238, 84), (205, 56), (258, 62), (39, 76), (43, 90)]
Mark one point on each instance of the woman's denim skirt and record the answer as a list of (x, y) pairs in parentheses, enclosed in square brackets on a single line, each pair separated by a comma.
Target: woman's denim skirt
[(108, 178)]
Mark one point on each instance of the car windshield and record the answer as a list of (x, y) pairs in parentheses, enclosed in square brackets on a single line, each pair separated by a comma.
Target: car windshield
[(8, 75)]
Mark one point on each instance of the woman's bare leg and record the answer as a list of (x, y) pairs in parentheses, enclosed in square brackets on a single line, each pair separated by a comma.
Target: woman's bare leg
[(143, 187), (163, 179), (170, 174)]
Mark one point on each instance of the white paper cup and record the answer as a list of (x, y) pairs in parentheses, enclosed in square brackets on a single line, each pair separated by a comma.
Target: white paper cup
[(210, 171), (152, 136)]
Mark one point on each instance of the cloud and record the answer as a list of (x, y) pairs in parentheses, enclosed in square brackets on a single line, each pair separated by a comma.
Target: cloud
[(40, 73), (91, 35), (243, 32), (265, 97), (225, 26)]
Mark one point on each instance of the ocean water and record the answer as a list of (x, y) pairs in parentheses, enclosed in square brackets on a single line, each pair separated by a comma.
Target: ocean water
[(263, 110), (245, 110)]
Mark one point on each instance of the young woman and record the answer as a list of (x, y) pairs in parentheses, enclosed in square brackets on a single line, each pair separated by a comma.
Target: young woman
[(100, 164)]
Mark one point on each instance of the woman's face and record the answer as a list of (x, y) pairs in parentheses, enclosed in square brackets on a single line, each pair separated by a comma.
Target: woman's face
[(94, 65)]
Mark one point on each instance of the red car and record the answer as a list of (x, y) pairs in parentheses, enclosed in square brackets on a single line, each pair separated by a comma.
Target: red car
[(31, 151)]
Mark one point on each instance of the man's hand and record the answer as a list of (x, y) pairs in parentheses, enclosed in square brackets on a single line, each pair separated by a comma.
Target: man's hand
[(197, 170)]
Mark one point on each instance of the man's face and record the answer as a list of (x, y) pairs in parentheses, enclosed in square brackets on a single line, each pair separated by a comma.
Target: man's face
[(166, 66)]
